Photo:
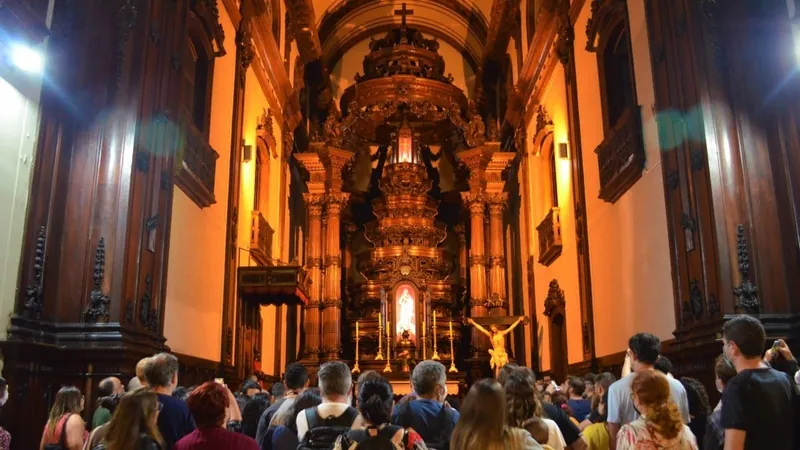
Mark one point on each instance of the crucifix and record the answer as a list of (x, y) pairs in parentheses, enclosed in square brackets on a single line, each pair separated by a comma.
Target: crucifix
[(404, 13), (499, 357)]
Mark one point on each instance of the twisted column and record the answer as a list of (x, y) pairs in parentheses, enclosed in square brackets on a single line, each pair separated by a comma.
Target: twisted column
[(311, 324), (477, 265), (332, 296), (498, 301)]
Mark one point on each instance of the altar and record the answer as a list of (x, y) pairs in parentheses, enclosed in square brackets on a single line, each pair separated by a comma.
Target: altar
[(400, 248)]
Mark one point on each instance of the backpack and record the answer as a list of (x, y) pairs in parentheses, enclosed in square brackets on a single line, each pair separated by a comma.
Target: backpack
[(62, 440), (363, 440), (444, 426), (323, 433)]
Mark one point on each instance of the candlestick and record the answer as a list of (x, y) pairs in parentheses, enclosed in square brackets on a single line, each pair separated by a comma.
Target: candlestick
[(453, 367), (388, 367), (356, 369), (435, 355), (424, 341), (379, 356)]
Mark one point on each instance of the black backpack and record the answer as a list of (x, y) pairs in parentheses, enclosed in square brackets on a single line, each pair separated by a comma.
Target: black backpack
[(381, 441), (322, 433), (444, 426)]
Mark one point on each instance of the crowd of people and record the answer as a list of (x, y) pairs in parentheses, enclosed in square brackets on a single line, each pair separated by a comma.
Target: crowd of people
[(645, 409)]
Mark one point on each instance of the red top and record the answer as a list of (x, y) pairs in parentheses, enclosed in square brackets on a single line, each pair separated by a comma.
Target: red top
[(55, 436), (216, 438)]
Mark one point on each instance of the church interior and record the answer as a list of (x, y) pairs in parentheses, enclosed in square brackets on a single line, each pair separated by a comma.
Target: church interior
[(250, 183)]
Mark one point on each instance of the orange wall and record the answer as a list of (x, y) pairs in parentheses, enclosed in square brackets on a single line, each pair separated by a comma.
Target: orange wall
[(197, 236), (564, 268), (628, 244)]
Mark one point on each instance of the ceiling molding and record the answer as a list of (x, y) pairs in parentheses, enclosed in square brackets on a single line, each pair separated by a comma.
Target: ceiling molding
[(452, 21)]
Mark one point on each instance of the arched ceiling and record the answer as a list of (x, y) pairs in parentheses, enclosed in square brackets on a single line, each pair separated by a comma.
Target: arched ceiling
[(460, 23)]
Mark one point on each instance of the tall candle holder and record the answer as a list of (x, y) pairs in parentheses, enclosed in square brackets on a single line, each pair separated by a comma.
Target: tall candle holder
[(435, 356), (452, 353), (356, 369), (379, 356), (424, 341), (388, 367)]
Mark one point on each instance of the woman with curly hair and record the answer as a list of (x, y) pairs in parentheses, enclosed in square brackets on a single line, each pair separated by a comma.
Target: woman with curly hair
[(525, 410), (699, 409), (659, 427), (483, 424)]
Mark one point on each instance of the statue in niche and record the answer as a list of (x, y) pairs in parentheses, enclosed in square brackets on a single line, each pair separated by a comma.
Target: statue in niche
[(405, 314)]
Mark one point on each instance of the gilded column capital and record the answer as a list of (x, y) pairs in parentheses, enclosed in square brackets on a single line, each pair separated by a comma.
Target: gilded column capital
[(314, 262), (477, 260), (497, 203), (476, 201), (335, 201), (495, 261), (334, 260), (314, 204)]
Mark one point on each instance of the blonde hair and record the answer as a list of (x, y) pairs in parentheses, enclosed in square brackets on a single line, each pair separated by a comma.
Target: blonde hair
[(652, 390), (134, 415), (483, 418), (140, 369)]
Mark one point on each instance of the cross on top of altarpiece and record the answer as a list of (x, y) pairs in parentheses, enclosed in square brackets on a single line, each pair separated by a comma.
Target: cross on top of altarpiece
[(404, 12)]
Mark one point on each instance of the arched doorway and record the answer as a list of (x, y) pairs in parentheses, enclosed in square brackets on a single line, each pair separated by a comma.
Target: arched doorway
[(555, 310)]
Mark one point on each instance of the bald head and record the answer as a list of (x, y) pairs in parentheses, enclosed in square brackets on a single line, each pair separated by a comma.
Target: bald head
[(110, 386)]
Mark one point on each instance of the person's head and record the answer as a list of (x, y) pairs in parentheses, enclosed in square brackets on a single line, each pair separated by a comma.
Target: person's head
[(310, 398), (140, 371), (537, 427), (69, 400), (559, 398), (493, 328), (277, 391), (743, 339), (697, 396), (375, 400), (161, 372), (252, 411), (335, 382), (644, 350), (250, 388), (134, 384), (505, 372), (601, 385), (429, 380), (588, 381), (521, 399), (369, 375), (208, 404), (575, 386), (136, 413), (663, 365), (253, 377), (724, 371), (180, 392), (111, 402), (652, 397), (110, 386), (296, 377), (483, 418)]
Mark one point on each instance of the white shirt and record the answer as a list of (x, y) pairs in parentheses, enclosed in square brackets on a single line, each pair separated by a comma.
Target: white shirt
[(324, 410), (620, 406), (554, 437)]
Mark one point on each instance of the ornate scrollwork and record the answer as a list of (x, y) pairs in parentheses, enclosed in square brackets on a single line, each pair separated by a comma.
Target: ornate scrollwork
[(543, 119), (34, 293), (97, 308), (555, 299), (746, 292)]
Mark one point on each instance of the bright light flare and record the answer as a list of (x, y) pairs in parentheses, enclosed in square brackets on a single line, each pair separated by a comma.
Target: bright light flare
[(27, 59)]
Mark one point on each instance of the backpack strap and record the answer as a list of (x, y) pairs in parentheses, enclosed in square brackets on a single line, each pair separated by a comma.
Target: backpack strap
[(312, 417), (389, 431)]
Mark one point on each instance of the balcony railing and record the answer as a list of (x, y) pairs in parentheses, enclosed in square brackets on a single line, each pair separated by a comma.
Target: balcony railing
[(274, 285), (621, 156), (196, 165), (550, 237), (261, 239)]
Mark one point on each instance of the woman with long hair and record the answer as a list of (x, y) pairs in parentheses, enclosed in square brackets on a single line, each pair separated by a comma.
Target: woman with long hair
[(211, 404), (375, 403), (483, 423), (660, 426), (133, 425), (284, 436), (699, 409), (65, 427), (524, 407)]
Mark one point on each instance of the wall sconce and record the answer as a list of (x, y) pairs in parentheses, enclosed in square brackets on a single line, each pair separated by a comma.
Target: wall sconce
[(247, 152), (563, 150)]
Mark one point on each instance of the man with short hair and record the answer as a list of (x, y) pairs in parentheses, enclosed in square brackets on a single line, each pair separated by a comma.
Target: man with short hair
[(579, 406), (664, 366), (295, 379), (643, 351), (108, 387), (427, 413), (174, 421), (334, 416), (277, 392), (757, 403)]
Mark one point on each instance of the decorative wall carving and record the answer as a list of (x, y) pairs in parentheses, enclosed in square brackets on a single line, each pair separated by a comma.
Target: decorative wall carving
[(543, 119), (33, 301), (621, 156), (97, 309), (555, 299), (746, 292), (126, 18), (266, 134), (605, 13)]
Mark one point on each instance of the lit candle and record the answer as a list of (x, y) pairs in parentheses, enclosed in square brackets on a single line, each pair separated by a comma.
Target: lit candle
[(387, 330), (424, 332), (380, 319), (451, 328), (434, 320), (356, 328)]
